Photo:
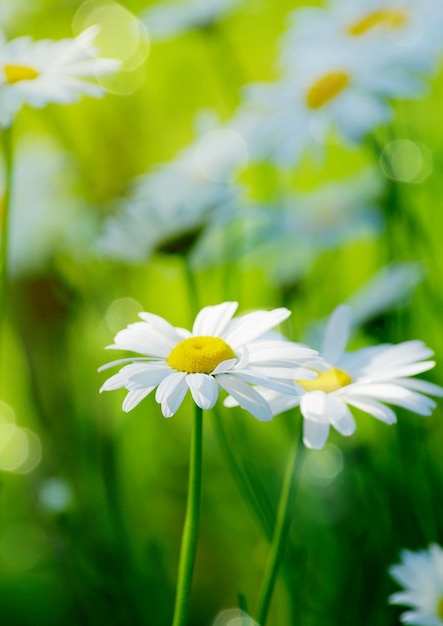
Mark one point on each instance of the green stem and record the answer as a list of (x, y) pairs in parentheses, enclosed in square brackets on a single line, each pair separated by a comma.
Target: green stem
[(192, 286), (190, 528), (281, 530), (4, 225)]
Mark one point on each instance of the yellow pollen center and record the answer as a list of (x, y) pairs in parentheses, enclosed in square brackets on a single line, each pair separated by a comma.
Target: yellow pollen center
[(383, 18), (199, 355), (16, 73), (326, 88), (331, 380), (440, 608)]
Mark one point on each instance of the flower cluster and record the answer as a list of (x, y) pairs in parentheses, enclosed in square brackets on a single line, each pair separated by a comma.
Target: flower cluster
[(267, 376)]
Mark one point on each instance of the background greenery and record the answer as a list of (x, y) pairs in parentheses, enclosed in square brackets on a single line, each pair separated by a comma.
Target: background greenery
[(90, 527)]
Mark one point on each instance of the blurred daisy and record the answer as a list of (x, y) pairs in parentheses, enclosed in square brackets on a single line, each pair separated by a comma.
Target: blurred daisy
[(421, 575), (332, 93), (288, 238), (403, 33), (169, 19), (364, 379), (219, 352), (40, 72), (169, 208)]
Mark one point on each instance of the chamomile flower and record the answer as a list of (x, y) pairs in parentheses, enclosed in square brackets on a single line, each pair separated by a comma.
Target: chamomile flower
[(170, 19), (365, 379), (168, 209), (40, 72), (421, 576), (331, 93), (219, 352)]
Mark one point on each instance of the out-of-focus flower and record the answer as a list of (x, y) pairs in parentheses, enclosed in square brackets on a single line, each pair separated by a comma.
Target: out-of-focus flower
[(331, 93), (46, 217), (286, 239), (421, 576), (169, 19), (364, 379), (219, 352), (40, 72), (399, 34), (168, 209)]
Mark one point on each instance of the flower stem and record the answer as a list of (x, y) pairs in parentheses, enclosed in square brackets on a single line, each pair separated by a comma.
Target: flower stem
[(190, 528), (281, 530), (4, 223)]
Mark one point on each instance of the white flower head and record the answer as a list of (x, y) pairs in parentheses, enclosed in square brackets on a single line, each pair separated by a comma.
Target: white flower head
[(365, 379), (421, 576), (219, 352), (174, 203), (170, 19), (40, 72)]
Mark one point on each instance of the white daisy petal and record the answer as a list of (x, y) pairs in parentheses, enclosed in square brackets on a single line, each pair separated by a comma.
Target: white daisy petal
[(313, 406), (315, 434), (376, 409), (135, 397), (246, 396), (394, 394), (252, 325), (340, 416), (336, 334), (204, 389), (213, 320), (171, 392)]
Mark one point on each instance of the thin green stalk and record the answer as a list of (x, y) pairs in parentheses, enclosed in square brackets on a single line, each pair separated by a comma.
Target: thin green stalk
[(191, 525), (4, 225), (192, 286), (281, 531)]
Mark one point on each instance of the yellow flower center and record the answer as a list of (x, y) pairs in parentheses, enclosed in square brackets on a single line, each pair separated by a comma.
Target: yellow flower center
[(440, 608), (199, 355), (326, 88), (16, 73), (331, 380), (383, 18)]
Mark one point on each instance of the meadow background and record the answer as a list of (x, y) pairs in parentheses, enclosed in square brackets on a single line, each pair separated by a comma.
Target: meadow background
[(92, 499)]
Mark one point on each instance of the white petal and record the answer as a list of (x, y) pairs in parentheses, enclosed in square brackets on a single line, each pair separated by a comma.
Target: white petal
[(424, 386), (148, 377), (135, 397), (340, 416), (121, 361), (171, 392), (162, 326), (255, 378), (246, 396), (336, 334), (224, 366), (143, 338), (204, 389), (374, 408), (252, 325), (315, 434), (213, 320), (394, 394), (313, 406)]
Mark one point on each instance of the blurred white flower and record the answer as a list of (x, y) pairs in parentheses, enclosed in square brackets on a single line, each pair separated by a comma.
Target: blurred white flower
[(169, 208), (46, 216), (287, 238), (169, 19), (421, 576), (39, 72), (365, 379), (398, 33), (332, 94), (220, 351)]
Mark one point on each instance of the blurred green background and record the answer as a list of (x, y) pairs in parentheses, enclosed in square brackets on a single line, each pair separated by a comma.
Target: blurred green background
[(92, 499)]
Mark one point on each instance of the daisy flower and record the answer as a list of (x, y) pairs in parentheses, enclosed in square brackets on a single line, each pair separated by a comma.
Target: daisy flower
[(365, 379), (169, 19), (219, 352), (421, 576), (39, 72), (169, 208), (332, 91)]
